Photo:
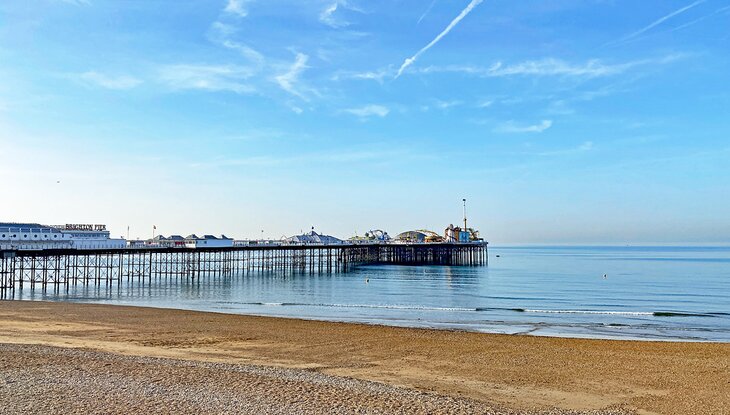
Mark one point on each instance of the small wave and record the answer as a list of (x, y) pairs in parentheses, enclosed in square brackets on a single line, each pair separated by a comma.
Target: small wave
[(628, 313), (270, 304), (377, 306), (519, 310), (482, 309), (619, 313), (394, 307), (680, 314)]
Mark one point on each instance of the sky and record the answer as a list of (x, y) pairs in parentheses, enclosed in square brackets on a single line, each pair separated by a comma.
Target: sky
[(564, 121)]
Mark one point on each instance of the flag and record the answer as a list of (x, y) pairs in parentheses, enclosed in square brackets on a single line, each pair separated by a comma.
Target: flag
[(154, 226)]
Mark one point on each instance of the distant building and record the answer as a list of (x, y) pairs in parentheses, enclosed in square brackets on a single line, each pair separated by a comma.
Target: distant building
[(34, 236), (160, 241), (208, 241), (313, 238), (136, 243), (419, 236), (176, 240), (372, 236), (411, 236), (454, 234)]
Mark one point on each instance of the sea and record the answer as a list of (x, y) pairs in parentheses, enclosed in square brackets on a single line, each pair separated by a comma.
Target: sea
[(668, 293)]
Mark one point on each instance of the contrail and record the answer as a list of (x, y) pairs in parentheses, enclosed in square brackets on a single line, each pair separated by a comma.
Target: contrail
[(409, 61), (661, 20), (716, 12), (430, 6)]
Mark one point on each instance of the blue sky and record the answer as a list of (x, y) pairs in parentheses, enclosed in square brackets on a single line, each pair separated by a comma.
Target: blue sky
[(561, 122)]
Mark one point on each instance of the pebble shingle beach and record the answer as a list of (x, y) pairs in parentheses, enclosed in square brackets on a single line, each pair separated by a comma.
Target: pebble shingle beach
[(85, 358), (44, 380)]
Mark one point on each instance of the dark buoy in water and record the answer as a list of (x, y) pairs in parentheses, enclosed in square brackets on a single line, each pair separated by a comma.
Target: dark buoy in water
[(367, 280), (497, 256), (605, 276)]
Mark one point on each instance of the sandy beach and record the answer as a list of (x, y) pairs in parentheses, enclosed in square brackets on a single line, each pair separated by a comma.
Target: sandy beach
[(122, 359)]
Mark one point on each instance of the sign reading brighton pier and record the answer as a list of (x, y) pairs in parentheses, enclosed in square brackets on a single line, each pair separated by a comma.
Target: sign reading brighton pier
[(84, 227)]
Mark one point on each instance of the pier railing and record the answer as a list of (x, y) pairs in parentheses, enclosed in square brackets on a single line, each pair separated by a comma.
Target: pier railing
[(62, 267)]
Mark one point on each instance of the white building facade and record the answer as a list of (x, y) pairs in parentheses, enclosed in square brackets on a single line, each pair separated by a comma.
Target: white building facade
[(34, 236), (208, 241)]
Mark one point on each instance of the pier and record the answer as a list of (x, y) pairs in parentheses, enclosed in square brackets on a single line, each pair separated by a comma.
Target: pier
[(57, 268)]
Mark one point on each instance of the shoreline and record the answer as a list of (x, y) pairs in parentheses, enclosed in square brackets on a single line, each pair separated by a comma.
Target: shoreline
[(514, 371), (425, 326), (536, 329)]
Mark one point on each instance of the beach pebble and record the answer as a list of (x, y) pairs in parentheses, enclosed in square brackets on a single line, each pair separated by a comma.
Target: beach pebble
[(42, 379)]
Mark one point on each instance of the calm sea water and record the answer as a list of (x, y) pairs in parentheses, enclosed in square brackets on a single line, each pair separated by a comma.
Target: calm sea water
[(652, 293)]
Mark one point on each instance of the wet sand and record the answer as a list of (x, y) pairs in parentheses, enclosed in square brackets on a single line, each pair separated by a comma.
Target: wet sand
[(459, 372)]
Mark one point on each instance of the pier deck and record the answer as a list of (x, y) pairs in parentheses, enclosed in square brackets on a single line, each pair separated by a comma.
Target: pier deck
[(59, 267)]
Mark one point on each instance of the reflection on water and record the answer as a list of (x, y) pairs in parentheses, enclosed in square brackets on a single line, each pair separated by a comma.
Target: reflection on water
[(648, 293)]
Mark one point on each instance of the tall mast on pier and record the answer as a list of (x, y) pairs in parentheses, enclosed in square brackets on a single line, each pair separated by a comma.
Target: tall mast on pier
[(464, 200)]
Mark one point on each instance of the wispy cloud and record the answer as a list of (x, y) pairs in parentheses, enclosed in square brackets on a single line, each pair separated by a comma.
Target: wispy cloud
[(551, 67), (659, 21), (288, 81), (582, 148), (328, 15), (77, 2), (236, 7), (604, 91), (221, 33), (428, 10), (327, 18), (369, 111), (486, 103), (511, 127), (448, 104), (110, 82), (560, 107), (409, 61), (442, 105), (207, 77), (378, 76)]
